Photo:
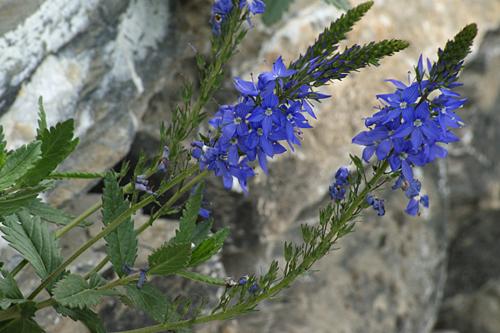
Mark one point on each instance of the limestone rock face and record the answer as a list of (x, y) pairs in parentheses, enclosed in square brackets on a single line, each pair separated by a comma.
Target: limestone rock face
[(471, 298), (94, 61)]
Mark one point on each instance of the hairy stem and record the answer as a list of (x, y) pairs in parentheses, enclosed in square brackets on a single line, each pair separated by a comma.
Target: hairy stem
[(165, 207), (106, 231), (241, 308)]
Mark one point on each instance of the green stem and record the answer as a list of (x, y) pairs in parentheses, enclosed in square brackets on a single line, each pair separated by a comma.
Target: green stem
[(10, 313), (202, 278), (106, 231), (285, 282), (76, 222), (166, 206), (347, 216)]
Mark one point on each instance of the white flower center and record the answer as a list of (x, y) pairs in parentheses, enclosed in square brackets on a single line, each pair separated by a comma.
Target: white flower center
[(417, 123), (403, 105), (269, 112)]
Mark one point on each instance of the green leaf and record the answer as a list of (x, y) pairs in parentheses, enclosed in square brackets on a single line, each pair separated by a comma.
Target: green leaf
[(23, 324), (96, 281), (208, 247), (88, 317), (201, 231), (3, 145), (122, 242), (57, 144), (6, 303), (275, 10), (42, 119), (50, 214), (169, 258), (18, 163), (11, 203), (341, 4), (9, 290), (187, 223), (148, 299), (74, 292), (32, 238)]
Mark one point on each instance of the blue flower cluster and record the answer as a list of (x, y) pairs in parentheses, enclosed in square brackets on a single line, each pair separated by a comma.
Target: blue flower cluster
[(268, 114), (410, 127), (222, 8), (377, 204), (338, 189)]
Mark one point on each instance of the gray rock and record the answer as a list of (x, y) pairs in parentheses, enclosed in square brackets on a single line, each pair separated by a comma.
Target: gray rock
[(476, 312), (96, 61), (472, 301)]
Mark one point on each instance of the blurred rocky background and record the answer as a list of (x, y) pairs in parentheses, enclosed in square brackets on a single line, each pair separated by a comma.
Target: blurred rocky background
[(115, 66)]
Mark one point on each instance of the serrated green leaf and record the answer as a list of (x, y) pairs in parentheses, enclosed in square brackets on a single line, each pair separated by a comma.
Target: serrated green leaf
[(32, 238), (122, 242), (208, 247), (24, 324), (18, 163), (96, 281), (21, 325), (148, 299), (341, 4), (275, 10), (8, 286), (57, 144), (187, 223), (50, 214), (3, 145), (86, 316), (74, 292), (13, 202), (9, 290), (201, 231), (6, 303), (169, 258)]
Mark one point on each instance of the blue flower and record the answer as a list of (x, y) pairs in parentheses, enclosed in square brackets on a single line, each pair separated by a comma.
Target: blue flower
[(338, 189), (377, 204), (279, 71), (234, 120), (163, 164), (413, 207), (410, 128), (142, 184), (142, 278), (419, 127), (246, 88), (220, 11), (254, 288), (268, 113), (243, 280), (204, 213), (254, 6)]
